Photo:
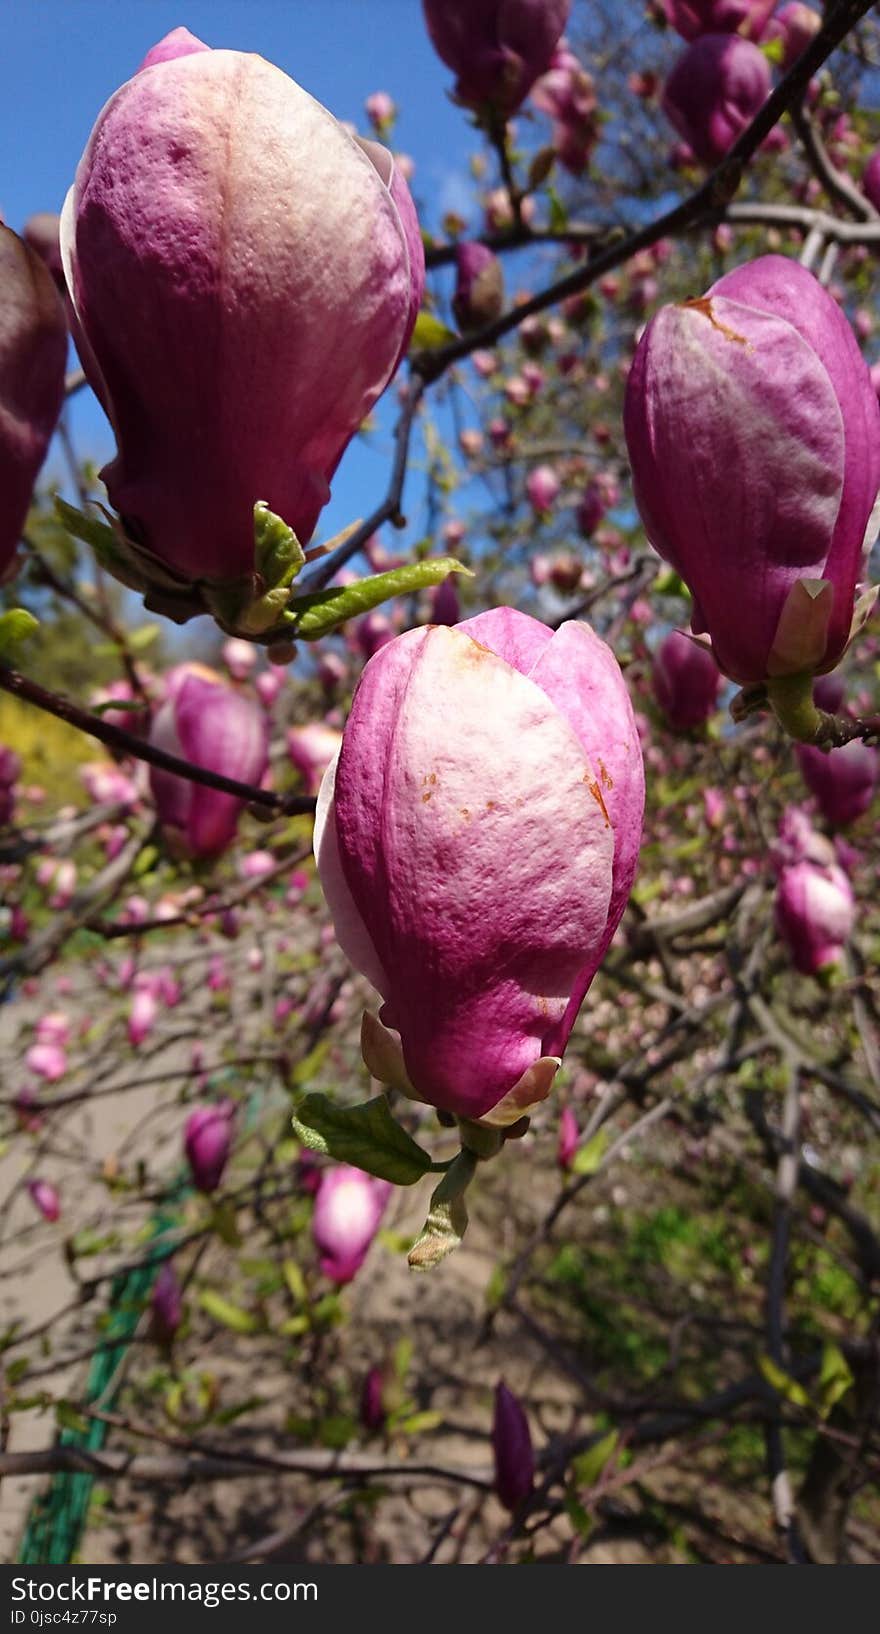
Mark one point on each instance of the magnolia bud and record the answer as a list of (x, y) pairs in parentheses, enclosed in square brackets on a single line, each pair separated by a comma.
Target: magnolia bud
[(512, 1449)]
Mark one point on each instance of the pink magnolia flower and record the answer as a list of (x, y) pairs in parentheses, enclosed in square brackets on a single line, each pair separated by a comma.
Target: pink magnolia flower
[(844, 781), (240, 658), (686, 681), (754, 440), (275, 268), (496, 48), (690, 18), (445, 604), (815, 914), (48, 1060), (567, 93), (131, 720), (108, 785), (871, 179), (311, 749), (256, 864), (216, 727), (53, 1028), (477, 841), (714, 91), (795, 25), (143, 1010), (348, 1211), (267, 686), (542, 488), (33, 354), (166, 1305), (479, 286), (45, 1197), (207, 1141), (381, 111), (512, 1449)]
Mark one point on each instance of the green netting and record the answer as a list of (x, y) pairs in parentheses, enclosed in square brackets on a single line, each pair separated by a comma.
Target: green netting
[(57, 1517)]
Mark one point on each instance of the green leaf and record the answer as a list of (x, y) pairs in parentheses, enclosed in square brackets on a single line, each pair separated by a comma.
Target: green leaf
[(402, 1356), (68, 1418), (420, 1423), (558, 212), (223, 1311), (835, 1378), (16, 626), (224, 1223), (669, 583), (295, 1326), (579, 1517), (773, 50), (588, 1158), (296, 1282), (143, 637), (316, 615), (783, 1383), (589, 1465), (366, 1135), (430, 334), (496, 1288), (130, 705)]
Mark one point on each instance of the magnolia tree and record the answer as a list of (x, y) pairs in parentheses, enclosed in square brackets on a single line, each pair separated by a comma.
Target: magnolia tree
[(525, 866)]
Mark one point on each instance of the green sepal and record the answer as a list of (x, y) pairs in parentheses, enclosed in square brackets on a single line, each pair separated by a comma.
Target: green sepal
[(366, 1136), (318, 614), (447, 1219)]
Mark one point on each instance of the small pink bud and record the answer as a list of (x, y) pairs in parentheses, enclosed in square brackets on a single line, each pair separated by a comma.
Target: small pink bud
[(240, 658), (142, 1016), (542, 488), (381, 112), (569, 1135), (207, 1142), (45, 1198), (686, 682), (166, 1305), (47, 1060), (372, 1409)]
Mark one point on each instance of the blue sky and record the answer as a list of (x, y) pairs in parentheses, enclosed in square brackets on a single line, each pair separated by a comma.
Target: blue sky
[(64, 58)]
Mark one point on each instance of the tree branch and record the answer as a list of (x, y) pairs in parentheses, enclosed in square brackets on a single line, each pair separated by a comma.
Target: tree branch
[(126, 743)]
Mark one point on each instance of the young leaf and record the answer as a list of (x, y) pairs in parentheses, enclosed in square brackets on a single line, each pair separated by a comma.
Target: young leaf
[(587, 1159), (783, 1383), (588, 1466), (366, 1136), (315, 615), (835, 1379), (15, 626), (430, 334), (231, 1316)]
